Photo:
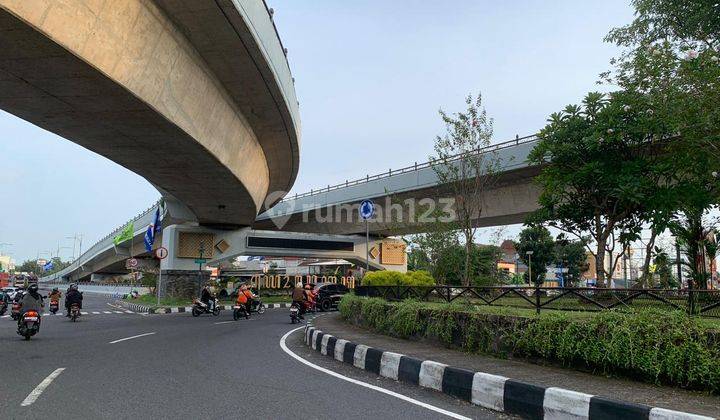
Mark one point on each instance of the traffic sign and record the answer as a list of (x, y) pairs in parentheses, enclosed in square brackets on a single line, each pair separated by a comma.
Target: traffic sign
[(200, 261), (131, 263), (367, 209), (161, 253)]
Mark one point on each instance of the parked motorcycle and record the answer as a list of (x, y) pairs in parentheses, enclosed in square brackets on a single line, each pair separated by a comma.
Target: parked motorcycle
[(54, 306), (294, 313), (74, 312), (15, 311), (30, 324), (199, 308)]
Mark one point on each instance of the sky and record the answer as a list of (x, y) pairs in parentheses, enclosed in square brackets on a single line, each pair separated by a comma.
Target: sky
[(370, 78)]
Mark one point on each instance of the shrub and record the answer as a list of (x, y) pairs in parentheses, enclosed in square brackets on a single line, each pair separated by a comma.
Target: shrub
[(394, 278), (653, 345), (384, 278)]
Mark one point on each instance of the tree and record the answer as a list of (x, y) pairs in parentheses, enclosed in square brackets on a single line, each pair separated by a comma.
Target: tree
[(603, 163), (571, 255), (672, 57), (27, 266), (536, 238), (467, 173)]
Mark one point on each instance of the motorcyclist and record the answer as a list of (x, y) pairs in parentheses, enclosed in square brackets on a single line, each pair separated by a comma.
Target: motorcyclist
[(250, 297), (55, 295), (18, 295), (298, 298), (73, 296), (208, 298), (4, 297), (31, 301), (309, 296)]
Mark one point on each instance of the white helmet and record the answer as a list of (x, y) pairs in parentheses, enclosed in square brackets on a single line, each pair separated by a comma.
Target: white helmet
[(299, 284)]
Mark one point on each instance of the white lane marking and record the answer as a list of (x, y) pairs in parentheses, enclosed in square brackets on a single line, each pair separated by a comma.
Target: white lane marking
[(129, 312), (32, 396), (130, 338), (285, 348), (117, 312), (83, 313), (107, 312), (96, 313), (223, 322)]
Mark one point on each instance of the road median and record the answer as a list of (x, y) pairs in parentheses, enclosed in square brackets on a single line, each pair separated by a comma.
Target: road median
[(507, 386)]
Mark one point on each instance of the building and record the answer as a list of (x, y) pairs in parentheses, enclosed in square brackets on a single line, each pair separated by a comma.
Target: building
[(7, 264)]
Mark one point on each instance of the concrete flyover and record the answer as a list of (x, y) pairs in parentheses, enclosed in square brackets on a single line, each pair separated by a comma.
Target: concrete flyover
[(401, 194), (195, 96)]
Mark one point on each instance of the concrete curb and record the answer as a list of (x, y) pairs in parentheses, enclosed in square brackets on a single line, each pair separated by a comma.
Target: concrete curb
[(490, 391), (182, 309)]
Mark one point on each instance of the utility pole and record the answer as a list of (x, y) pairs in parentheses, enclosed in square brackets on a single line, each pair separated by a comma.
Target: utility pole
[(537, 284)]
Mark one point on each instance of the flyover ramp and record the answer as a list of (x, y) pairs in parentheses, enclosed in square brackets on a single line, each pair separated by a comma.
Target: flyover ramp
[(194, 96), (399, 196)]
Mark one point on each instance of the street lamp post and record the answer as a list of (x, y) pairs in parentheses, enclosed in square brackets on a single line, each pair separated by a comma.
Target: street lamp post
[(537, 285)]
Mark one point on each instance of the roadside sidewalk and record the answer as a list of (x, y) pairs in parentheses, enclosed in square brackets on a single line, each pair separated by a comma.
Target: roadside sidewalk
[(546, 376)]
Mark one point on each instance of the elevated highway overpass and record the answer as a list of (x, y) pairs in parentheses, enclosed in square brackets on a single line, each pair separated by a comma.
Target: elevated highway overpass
[(311, 216)]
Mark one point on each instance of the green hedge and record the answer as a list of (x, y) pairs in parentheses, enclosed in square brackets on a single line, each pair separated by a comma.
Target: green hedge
[(652, 346), (394, 278)]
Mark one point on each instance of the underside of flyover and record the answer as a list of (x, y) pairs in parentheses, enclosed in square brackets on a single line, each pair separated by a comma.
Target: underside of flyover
[(180, 93)]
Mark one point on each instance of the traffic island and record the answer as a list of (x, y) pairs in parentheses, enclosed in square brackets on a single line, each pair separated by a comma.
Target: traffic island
[(492, 391)]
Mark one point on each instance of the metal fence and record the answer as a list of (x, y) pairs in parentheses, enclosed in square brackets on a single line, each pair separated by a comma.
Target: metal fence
[(698, 302)]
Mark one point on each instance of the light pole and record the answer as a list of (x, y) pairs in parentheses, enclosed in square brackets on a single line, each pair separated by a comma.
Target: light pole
[(537, 285)]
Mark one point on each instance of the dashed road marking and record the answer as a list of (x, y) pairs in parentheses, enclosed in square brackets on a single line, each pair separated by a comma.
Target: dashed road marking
[(33, 396), (130, 338)]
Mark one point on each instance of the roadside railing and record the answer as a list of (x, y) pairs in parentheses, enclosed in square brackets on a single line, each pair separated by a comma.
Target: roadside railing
[(697, 302), (392, 172)]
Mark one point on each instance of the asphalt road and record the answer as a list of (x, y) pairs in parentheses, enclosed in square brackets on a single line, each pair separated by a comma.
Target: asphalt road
[(190, 368)]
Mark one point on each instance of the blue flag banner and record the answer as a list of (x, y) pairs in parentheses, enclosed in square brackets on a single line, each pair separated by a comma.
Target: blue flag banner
[(48, 266), (152, 229)]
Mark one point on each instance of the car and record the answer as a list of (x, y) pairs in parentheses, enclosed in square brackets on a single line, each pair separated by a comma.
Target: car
[(329, 295), (11, 291)]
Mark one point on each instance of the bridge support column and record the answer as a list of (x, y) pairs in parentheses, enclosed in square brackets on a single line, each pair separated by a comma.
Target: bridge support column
[(181, 275), (182, 283)]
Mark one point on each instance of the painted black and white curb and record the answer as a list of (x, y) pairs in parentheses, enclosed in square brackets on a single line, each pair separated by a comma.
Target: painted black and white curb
[(182, 309), (490, 391)]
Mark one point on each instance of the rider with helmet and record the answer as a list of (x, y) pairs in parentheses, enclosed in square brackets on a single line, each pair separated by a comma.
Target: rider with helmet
[(55, 295), (73, 296), (31, 301)]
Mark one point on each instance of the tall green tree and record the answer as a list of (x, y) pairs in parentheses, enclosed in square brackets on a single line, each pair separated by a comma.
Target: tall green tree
[(536, 239), (603, 163), (571, 255), (466, 173)]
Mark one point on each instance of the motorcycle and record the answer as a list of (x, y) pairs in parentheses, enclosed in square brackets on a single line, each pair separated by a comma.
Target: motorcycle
[(3, 308), (199, 308), (294, 313), (15, 311), (74, 312), (310, 306), (257, 306), (239, 311), (30, 324), (54, 306)]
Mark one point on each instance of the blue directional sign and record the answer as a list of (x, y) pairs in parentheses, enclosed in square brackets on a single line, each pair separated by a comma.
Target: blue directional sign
[(367, 209)]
